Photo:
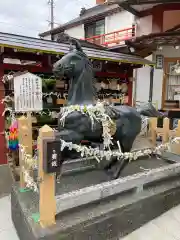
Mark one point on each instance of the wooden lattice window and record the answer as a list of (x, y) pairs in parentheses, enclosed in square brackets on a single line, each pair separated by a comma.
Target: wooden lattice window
[(172, 83)]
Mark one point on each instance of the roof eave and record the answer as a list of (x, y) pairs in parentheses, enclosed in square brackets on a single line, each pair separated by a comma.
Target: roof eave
[(128, 5), (70, 25), (128, 8), (147, 44), (142, 2)]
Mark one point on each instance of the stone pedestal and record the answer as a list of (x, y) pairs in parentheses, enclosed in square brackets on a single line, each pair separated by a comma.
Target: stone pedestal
[(111, 218), (91, 207)]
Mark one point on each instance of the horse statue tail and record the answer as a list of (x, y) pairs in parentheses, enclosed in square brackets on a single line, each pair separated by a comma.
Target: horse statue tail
[(148, 110)]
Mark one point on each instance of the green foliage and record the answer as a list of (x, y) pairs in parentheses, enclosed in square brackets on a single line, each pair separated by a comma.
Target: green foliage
[(48, 85)]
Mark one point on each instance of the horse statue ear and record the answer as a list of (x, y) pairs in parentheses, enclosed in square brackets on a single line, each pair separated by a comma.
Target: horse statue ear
[(71, 46), (65, 38), (76, 43)]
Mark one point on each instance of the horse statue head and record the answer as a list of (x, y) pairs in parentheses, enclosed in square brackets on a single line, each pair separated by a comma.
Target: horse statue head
[(76, 66)]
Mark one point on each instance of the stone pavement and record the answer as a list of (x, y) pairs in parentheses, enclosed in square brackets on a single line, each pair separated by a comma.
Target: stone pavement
[(7, 230), (5, 180), (165, 227)]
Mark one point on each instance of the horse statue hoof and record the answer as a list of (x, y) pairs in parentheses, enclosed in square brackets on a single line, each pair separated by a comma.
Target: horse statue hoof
[(115, 176)]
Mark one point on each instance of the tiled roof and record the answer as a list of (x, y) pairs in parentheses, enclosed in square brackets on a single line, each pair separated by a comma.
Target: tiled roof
[(45, 46)]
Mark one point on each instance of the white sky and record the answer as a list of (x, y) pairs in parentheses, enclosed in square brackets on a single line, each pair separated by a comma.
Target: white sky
[(30, 17)]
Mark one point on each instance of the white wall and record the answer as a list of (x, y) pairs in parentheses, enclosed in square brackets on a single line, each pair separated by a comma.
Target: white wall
[(118, 21), (144, 25), (143, 84), (143, 77), (47, 37), (76, 32), (157, 87)]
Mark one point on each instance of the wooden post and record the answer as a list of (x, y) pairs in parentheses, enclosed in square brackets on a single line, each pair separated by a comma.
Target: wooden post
[(47, 202), (153, 126), (165, 136), (25, 139), (176, 146)]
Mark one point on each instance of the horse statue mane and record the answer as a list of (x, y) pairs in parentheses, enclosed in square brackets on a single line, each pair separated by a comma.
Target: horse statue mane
[(79, 69), (65, 38)]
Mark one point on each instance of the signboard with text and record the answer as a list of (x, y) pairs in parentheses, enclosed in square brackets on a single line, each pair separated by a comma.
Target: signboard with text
[(28, 93), (52, 156), (159, 61)]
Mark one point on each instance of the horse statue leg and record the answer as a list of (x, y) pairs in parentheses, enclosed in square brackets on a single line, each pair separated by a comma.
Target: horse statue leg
[(68, 136), (126, 146), (128, 127)]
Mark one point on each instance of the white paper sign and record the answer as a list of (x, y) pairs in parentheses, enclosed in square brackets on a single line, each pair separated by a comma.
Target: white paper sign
[(28, 93)]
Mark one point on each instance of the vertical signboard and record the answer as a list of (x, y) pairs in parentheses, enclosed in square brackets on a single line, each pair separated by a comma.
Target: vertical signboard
[(52, 156), (159, 61), (28, 93)]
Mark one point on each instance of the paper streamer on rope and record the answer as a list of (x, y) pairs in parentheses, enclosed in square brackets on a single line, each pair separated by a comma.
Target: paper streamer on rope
[(97, 154)]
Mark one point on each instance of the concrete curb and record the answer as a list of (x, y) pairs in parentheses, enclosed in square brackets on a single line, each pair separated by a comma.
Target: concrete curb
[(101, 191)]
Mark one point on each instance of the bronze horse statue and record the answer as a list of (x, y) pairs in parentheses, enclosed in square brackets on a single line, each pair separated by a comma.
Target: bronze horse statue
[(76, 66)]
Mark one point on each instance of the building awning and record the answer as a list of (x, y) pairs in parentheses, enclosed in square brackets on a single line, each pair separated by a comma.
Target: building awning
[(137, 7), (146, 44), (28, 44)]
